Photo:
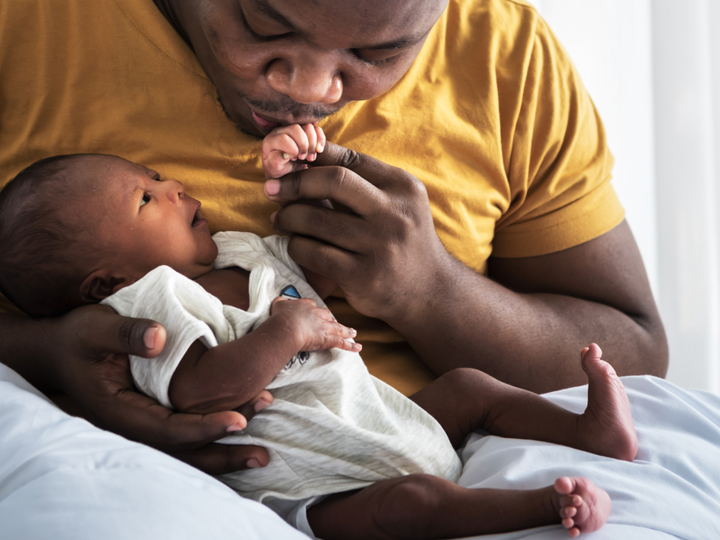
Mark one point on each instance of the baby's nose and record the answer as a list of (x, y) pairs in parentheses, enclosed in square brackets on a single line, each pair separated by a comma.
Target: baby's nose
[(176, 190)]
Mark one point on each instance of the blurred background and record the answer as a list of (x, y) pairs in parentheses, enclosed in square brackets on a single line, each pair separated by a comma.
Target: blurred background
[(652, 68)]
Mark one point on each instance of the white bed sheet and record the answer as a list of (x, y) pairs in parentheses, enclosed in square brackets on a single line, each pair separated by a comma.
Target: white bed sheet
[(671, 490), (61, 478)]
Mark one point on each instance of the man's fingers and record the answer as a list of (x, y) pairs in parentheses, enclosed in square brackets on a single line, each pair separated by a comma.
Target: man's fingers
[(225, 458), (334, 229), (336, 184), (359, 183), (334, 262), (141, 418), (378, 173), (255, 405), (110, 333)]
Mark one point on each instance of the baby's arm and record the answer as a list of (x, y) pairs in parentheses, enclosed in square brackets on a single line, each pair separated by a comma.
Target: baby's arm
[(227, 376)]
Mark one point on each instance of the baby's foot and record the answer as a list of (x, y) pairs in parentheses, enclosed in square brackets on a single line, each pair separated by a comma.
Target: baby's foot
[(583, 507), (606, 427)]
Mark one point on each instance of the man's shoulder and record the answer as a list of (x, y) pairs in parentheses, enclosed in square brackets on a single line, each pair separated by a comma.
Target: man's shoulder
[(504, 16), (484, 33)]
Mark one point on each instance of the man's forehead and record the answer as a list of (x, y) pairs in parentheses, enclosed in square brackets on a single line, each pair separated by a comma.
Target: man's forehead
[(380, 23)]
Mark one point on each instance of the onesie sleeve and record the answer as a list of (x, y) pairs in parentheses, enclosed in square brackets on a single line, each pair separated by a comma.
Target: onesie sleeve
[(277, 245), (557, 159), (186, 311)]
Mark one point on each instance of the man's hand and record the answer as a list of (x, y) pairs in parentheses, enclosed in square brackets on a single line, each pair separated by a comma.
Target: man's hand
[(286, 148), (382, 250), (314, 327), (90, 346)]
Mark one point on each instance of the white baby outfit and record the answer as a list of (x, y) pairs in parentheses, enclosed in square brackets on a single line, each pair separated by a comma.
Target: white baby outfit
[(332, 426)]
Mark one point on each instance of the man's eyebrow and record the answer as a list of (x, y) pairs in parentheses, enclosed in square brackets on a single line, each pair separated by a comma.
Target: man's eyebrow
[(264, 7)]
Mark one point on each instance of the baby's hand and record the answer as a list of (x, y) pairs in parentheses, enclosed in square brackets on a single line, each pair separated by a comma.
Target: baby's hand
[(285, 147), (314, 327)]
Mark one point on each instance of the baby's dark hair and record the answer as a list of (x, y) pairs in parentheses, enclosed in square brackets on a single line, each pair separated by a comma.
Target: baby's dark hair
[(40, 267)]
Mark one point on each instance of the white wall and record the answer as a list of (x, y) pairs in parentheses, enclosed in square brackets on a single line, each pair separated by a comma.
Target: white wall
[(648, 67)]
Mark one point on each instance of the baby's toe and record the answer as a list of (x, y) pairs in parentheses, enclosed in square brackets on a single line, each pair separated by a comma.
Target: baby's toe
[(568, 512)]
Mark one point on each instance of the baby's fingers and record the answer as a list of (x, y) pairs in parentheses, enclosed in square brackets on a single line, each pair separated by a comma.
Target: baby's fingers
[(288, 143), (342, 338), (349, 345), (319, 146), (278, 164)]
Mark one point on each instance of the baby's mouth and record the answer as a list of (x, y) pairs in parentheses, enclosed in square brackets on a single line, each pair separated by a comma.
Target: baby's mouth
[(198, 220)]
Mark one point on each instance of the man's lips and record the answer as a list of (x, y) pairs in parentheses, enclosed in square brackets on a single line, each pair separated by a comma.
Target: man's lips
[(264, 123), (268, 123)]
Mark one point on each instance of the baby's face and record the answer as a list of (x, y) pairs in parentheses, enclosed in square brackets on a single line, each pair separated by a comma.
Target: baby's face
[(151, 222)]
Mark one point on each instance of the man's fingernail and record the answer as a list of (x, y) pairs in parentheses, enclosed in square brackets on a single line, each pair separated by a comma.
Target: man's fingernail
[(272, 217), (260, 404), (272, 187), (320, 147), (237, 426), (286, 155), (252, 463), (149, 337)]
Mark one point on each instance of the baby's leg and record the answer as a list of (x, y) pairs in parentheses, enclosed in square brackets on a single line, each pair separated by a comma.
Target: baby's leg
[(466, 399), (419, 507)]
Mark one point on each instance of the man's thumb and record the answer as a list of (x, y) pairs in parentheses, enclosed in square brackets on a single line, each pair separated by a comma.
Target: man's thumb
[(139, 337)]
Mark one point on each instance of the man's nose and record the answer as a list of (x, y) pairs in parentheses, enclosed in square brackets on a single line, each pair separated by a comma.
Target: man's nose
[(306, 80)]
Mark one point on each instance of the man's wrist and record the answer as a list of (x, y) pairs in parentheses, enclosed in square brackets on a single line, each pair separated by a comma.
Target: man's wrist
[(29, 346)]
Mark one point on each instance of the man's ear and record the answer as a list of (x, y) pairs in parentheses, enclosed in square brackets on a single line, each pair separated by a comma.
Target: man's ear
[(98, 285)]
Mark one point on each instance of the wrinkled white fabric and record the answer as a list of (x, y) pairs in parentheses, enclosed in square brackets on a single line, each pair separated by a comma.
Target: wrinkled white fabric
[(62, 478), (332, 426)]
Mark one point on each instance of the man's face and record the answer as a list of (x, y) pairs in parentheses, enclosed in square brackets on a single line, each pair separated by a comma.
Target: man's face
[(148, 222), (284, 61)]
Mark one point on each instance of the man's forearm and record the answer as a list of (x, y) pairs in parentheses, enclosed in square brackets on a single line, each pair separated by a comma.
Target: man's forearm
[(25, 346), (534, 341), (531, 336)]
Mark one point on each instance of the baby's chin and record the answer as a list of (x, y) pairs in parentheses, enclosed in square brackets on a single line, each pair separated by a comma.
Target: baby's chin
[(199, 269)]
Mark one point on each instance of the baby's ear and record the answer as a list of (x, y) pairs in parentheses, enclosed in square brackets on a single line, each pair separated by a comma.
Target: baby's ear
[(99, 285)]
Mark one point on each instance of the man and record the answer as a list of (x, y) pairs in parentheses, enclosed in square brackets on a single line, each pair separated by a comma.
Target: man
[(496, 243)]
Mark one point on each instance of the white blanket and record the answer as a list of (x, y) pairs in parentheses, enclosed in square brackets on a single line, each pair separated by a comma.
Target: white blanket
[(61, 478)]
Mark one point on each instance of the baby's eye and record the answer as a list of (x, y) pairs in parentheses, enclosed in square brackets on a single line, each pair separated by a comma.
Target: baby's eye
[(145, 199)]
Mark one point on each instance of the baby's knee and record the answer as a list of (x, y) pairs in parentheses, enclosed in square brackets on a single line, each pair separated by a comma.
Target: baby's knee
[(466, 381), (409, 506)]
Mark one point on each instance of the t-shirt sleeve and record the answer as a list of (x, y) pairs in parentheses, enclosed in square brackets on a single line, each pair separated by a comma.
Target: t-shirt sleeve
[(186, 311), (559, 164)]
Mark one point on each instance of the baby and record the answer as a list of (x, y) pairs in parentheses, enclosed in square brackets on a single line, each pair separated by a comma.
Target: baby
[(349, 456)]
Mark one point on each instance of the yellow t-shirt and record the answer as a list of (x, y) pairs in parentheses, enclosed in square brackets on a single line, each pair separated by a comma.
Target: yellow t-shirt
[(492, 117)]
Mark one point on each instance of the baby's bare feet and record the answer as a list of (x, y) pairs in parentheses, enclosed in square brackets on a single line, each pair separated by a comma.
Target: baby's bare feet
[(583, 507), (606, 427)]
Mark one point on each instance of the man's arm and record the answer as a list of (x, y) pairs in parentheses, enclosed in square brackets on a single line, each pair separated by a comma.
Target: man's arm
[(525, 325), (84, 354)]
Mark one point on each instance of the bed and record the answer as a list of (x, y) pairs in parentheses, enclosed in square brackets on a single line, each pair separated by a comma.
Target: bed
[(62, 478)]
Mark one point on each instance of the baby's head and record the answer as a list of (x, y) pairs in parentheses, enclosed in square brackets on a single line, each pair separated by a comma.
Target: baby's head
[(74, 229)]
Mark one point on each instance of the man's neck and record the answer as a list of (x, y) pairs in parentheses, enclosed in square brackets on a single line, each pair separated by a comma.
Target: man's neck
[(169, 10)]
